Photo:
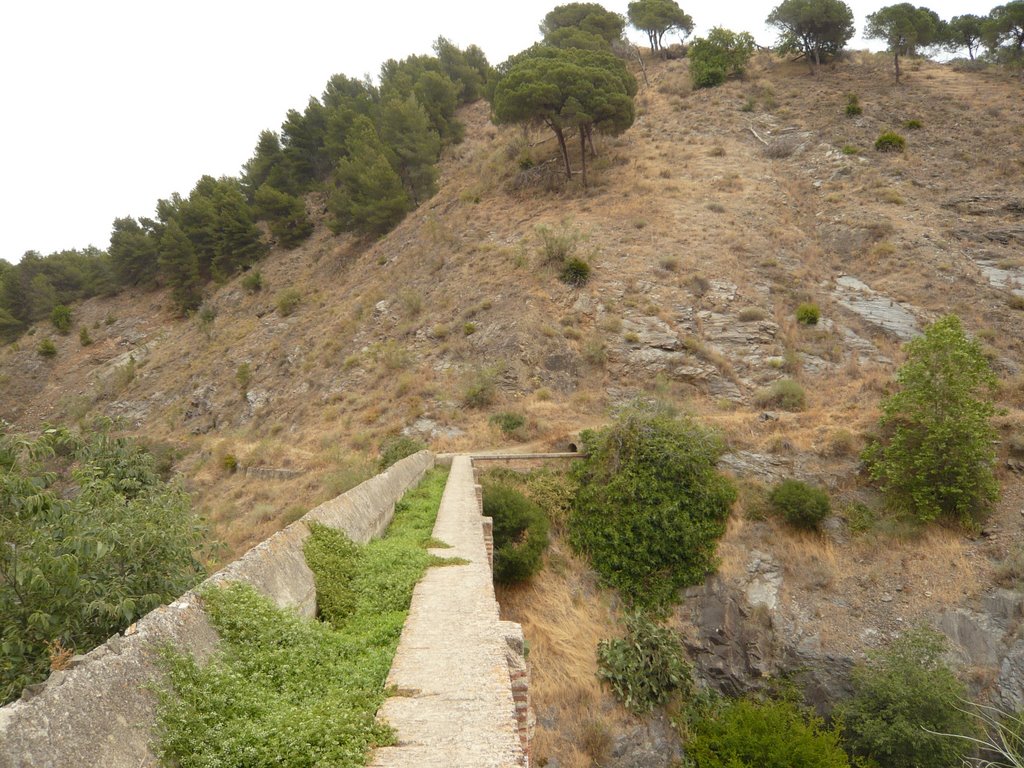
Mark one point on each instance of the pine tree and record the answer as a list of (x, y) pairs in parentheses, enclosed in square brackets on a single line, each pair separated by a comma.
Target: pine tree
[(238, 238), (180, 268), (405, 128), (369, 197), (133, 253), (286, 215)]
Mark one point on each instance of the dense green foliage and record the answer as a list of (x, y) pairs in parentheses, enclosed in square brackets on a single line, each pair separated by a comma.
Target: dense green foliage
[(904, 29), (656, 17), (60, 317), (905, 699), (802, 505), (808, 313), (646, 667), (1003, 32), (772, 734), (721, 54), (284, 213), (890, 141), (582, 25), (93, 539), (282, 690), (575, 272), (965, 31), (397, 448), (520, 533), (650, 507), (814, 28), (567, 88), (936, 455)]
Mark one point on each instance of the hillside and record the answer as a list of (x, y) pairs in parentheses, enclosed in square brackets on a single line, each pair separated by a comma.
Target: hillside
[(705, 225)]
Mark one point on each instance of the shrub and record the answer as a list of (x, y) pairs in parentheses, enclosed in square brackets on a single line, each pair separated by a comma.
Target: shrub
[(904, 700), (394, 449), (774, 734), (121, 545), (808, 314), (721, 54), (288, 301), (243, 375), (646, 667), (229, 463), (936, 454), (47, 348), (651, 506), (912, 125), (784, 393), (253, 281), (850, 149), (520, 533), (890, 142), (60, 316), (557, 246), (853, 108), (802, 505), (751, 314), (508, 422), (469, 328), (83, 336), (480, 389), (575, 272)]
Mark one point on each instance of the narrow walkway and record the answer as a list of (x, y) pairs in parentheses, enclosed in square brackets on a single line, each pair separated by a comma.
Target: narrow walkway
[(454, 705)]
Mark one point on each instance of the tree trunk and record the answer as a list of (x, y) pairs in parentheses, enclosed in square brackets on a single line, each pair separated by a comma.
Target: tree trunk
[(590, 140), (565, 151), (896, 61), (817, 60), (583, 153)]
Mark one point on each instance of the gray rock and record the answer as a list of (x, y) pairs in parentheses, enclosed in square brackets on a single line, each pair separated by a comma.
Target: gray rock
[(876, 308)]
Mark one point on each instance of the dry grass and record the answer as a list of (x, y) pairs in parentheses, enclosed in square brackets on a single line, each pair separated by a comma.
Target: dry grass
[(564, 615)]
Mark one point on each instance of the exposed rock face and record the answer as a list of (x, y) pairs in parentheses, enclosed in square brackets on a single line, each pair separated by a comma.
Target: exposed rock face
[(876, 308)]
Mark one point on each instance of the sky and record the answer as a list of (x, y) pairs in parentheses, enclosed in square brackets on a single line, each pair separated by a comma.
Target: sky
[(110, 105)]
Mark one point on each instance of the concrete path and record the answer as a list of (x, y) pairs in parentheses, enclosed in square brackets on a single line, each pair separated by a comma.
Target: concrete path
[(454, 705)]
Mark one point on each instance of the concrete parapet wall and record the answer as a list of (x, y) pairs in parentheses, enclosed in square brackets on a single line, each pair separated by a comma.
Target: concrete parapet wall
[(459, 670), (100, 712)]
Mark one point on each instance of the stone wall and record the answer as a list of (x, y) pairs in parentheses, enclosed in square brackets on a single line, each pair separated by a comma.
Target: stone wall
[(100, 711)]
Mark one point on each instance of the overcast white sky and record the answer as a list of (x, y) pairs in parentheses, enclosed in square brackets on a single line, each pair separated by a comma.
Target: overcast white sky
[(111, 104)]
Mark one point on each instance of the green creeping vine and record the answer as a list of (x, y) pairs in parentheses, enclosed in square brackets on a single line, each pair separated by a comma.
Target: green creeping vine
[(286, 691)]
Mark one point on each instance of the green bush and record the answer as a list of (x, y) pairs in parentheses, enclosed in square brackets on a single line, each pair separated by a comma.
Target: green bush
[(60, 316), (650, 505), (509, 423), (721, 54), (83, 336), (575, 272), (646, 667), (912, 125), (253, 281), (905, 699), (936, 454), (890, 142), (288, 301), (229, 463), (520, 533), (802, 505), (396, 448), (76, 569), (774, 734), (853, 108), (47, 348), (808, 313), (285, 690), (784, 393), (480, 389)]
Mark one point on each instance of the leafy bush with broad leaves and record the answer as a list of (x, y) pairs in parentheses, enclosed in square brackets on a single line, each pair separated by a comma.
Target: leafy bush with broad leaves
[(645, 667), (721, 54), (772, 734), (397, 448), (650, 505), (905, 702), (93, 539), (936, 454), (520, 533), (802, 505)]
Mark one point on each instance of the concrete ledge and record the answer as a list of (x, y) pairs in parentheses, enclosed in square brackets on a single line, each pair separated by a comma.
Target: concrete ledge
[(100, 712), (455, 704)]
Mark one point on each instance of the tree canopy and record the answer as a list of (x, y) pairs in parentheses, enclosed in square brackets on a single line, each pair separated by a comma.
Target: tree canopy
[(719, 55), (567, 89), (904, 29), (966, 31), (1005, 27), (656, 17), (814, 28), (935, 456), (566, 22)]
